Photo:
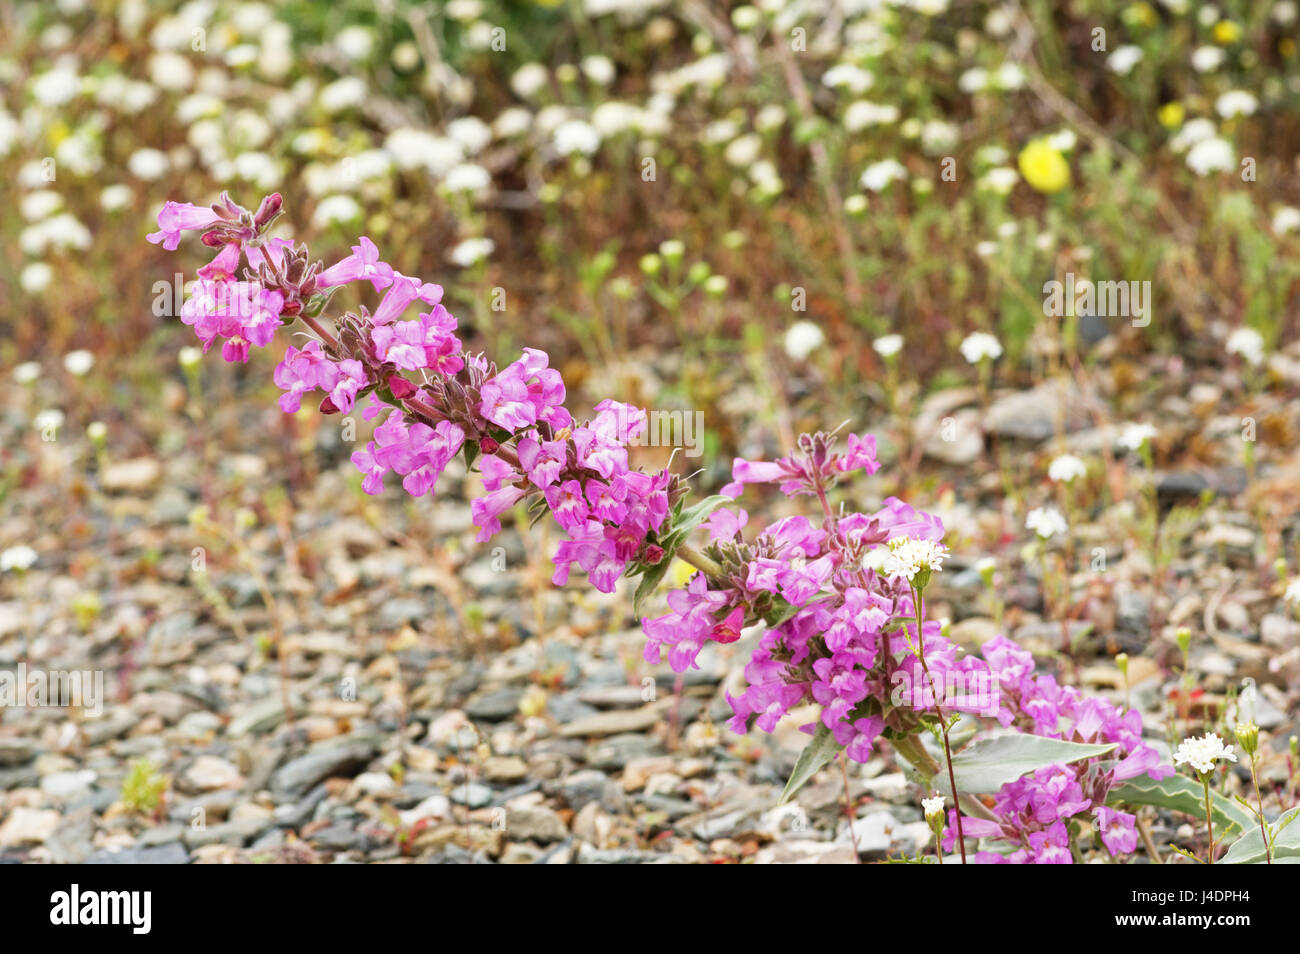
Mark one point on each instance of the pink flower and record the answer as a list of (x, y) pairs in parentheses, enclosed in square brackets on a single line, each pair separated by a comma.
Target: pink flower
[(588, 548), (300, 371), (362, 265), (178, 217), (1118, 830), (486, 511), (542, 461), (400, 294)]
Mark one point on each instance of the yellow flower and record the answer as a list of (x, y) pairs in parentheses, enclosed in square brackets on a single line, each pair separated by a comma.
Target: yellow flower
[(1171, 115), (1142, 14), (1226, 32), (1044, 167)]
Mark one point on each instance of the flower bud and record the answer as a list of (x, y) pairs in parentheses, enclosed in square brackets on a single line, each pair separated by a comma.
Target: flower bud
[(401, 387), (650, 264), (489, 445), (935, 816), (1184, 637), (1248, 735), (268, 209), (327, 406), (1121, 661), (653, 554)]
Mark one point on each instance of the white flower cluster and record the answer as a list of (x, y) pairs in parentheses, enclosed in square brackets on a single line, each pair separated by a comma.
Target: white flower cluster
[(1066, 468), (908, 557), (1047, 522), (1202, 753)]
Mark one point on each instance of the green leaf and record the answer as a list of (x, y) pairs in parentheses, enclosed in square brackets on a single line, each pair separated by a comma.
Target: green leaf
[(987, 765), (821, 748), (649, 583), (471, 453), (1182, 794), (1249, 848)]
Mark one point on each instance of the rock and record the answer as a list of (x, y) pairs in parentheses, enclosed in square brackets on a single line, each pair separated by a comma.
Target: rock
[(471, 794), (622, 856), (261, 717), (1033, 415), (974, 632), (535, 824), (613, 697), (616, 752), (435, 807), (66, 786), (504, 768), (805, 853), (26, 826), (326, 760), (614, 722), (70, 842), (879, 833), (495, 706), (17, 751), (208, 773), (137, 475), (169, 854), (586, 786)]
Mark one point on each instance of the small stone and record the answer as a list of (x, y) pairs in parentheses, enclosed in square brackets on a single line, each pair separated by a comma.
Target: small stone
[(131, 476), (26, 826), (504, 768), (495, 706), (614, 722), (208, 773), (535, 824)]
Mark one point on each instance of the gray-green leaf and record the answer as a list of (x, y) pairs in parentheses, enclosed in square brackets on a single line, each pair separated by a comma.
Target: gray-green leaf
[(1182, 794), (987, 765), (1249, 848), (821, 748)]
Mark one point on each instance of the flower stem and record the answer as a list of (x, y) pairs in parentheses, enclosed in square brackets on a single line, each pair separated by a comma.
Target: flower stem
[(943, 722), (1209, 818)]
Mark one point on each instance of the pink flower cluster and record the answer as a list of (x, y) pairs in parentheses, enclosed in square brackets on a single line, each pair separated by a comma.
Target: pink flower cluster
[(1033, 812)]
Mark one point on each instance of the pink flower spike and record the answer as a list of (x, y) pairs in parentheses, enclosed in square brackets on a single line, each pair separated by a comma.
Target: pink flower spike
[(403, 291)]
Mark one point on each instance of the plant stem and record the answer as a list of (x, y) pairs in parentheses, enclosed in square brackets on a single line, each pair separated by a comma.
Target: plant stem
[(1209, 818), (848, 807), (1259, 799), (943, 722)]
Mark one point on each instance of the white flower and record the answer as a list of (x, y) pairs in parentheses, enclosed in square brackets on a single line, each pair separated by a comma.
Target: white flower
[(599, 69), (1236, 102), (471, 133), (1135, 435), (1284, 12), (78, 362), (467, 177), (147, 164), (1286, 219), (743, 151), (471, 250), (802, 339), (1124, 59), (346, 93), (888, 345), (1207, 59), (908, 557), (515, 121), (1211, 155), (999, 180), (1292, 594), (189, 357), (51, 419), (1009, 76), (336, 208), (877, 176), (17, 558), (979, 345), (974, 80), (575, 136), (1202, 753), (27, 372), (1047, 522), (770, 117), (933, 807), (864, 113), (1248, 343), (1066, 468), (529, 80), (58, 86), (36, 277), (851, 77), (417, 149), (1192, 132), (938, 137), (40, 204), (354, 42)]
